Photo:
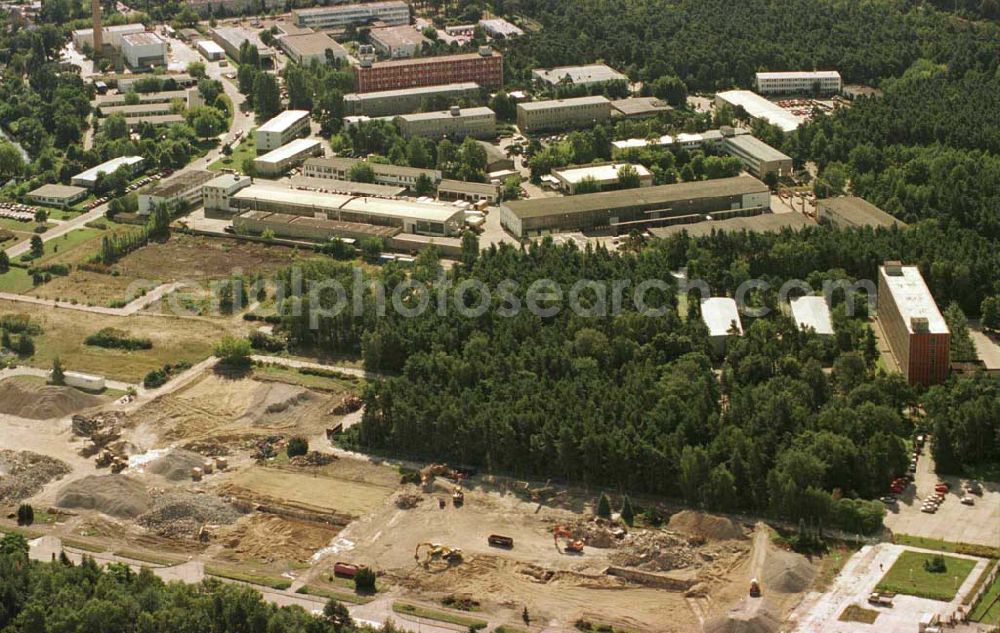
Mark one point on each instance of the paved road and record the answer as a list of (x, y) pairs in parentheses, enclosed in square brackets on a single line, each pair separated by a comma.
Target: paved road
[(60, 230), (300, 364)]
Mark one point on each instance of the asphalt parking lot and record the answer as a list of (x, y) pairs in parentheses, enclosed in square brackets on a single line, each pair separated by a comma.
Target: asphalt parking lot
[(978, 524)]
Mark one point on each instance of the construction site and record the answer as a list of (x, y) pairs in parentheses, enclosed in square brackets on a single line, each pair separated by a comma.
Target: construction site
[(200, 472)]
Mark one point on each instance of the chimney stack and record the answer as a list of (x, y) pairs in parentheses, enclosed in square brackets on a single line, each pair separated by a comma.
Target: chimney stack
[(95, 10)]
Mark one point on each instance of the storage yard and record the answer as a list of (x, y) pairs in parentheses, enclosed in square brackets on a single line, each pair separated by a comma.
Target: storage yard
[(200, 471)]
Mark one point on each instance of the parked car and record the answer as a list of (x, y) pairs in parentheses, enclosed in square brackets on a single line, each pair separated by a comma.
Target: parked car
[(969, 501), (888, 500)]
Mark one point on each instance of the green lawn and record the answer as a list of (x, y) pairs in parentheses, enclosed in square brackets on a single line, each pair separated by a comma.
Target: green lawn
[(246, 149), (253, 578), (406, 608), (16, 281), (981, 551), (64, 244), (908, 576), (340, 596), (988, 609)]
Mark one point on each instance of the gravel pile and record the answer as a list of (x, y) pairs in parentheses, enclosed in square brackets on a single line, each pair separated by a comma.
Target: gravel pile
[(23, 474), (655, 551), (176, 465), (182, 514), (707, 526), (116, 495)]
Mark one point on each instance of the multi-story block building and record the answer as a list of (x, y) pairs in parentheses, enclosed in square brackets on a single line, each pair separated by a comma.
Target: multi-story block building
[(281, 129), (339, 168), (822, 81), (914, 327), (338, 16), (144, 50), (407, 100), (484, 68), (562, 114), (456, 123)]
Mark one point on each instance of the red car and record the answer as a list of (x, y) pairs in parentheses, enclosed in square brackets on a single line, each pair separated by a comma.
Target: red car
[(942, 488)]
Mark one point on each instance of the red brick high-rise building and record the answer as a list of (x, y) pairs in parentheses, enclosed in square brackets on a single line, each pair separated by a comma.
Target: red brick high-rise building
[(484, 68), (915, 329)]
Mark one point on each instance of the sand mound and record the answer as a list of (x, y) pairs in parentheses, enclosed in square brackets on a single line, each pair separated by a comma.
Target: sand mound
[(707, 526), (268, 537), (786, 572), (176, 465), (23, 474), (38, 401), (116, 495), (758, 620), (183, 514)]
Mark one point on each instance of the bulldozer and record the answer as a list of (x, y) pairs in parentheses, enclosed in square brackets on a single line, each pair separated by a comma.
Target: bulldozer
[(436, 551), (573, 546)]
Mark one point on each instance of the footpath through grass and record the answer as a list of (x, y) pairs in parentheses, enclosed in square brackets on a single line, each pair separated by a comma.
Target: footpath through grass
[(908, 576)]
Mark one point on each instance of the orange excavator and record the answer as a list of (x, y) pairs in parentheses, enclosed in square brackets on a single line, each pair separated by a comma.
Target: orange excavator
[(573, 546)]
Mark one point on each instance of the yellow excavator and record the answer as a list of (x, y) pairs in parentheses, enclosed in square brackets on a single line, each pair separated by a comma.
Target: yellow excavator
[(436, 551)]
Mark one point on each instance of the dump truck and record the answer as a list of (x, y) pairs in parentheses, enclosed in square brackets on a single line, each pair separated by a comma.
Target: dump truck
[(496, 540), (754, 588), (881, 598)]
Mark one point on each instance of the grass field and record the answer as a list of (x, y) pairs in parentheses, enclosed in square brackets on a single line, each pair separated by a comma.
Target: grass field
[(264, 580), (16, 225), (908, 576), (16, 281), (309, 381), (341, 596), (988, 609), (149, 557), (246, 149), (406, 608), (63, 248), (63, 333)]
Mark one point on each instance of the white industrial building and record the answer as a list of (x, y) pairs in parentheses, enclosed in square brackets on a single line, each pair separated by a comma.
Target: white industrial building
[(231, 38), (280, 160), (338, 16), (812, 312), (758, 157), (339, 168), (210, 50), (588, 75), (111, 35), (89, 178), (217, 192), (721, 315), (820, 81), (281, 129), (605, 175), (397, 42), (144, 50), (498, 27), (181, 191), (757, 107)]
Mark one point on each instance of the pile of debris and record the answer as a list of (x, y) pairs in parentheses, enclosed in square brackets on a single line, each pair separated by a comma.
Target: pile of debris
[(187, 515), (706, 526), (100, 430), (313, 458), (655, 551), (407, 500), (348, 404), (23, 474), (116, 495), (598, 532), (266, 447)]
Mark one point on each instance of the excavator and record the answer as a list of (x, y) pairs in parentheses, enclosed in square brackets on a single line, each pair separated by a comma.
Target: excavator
[(573, 546), (436, 551), (428, 474)]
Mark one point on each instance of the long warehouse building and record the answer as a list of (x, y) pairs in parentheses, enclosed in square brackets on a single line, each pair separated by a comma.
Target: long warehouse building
[(407, 100), (621, 211)]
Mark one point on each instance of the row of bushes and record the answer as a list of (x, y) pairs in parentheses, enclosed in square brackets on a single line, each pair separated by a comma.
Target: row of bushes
[(113, 338), (159, 377)]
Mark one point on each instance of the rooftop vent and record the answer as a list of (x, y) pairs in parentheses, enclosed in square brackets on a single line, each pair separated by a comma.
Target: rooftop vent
[(894, 268), (919, 325), (455, 110), (485, 51)]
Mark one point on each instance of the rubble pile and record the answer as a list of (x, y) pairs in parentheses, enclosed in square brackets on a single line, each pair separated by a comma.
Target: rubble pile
[(100, 430), (407, 500), (313, 458), (23, 474), (183, 514), (655, 551), (348, 404)]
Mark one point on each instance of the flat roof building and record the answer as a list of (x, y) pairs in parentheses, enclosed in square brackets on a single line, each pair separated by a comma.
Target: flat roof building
[(812, 312), (339, 168), (144, 50), (306, 48), (757, 107), (914, 327), (639, 107), (337, 16), (217, 192), (231, 38), (820, 82), (496, 158), (604, 175), (280, 160), (89, 177), (757, 157), (210, 50), (407, 100), (426, 218), (111, 35), (721, 316), (56, 195), (500, 28), (587, 75), (562, 114), (468, 191), (484, 68), (760, 223), (397, 42), (120, 99), (621, 211), (308, 228), (455, 123), (180, 191), (346, 187), (281, 129), (852, 211)]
